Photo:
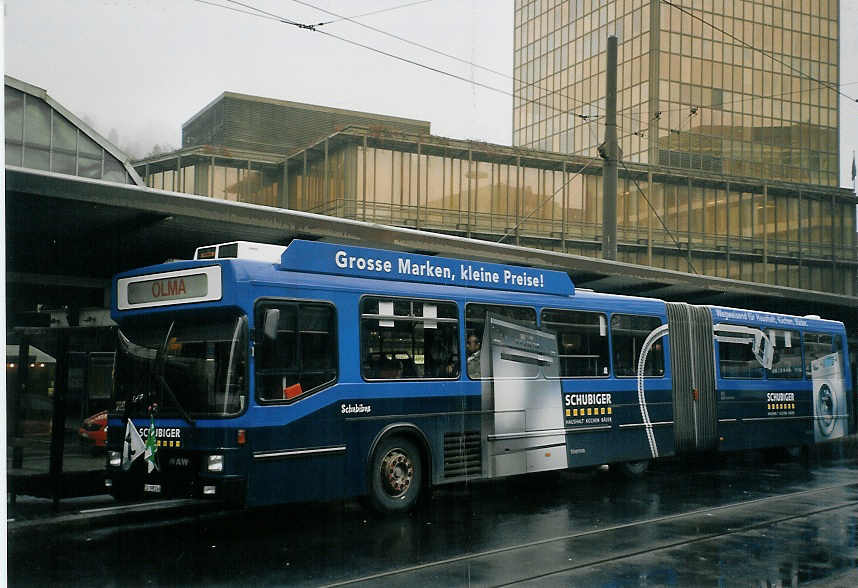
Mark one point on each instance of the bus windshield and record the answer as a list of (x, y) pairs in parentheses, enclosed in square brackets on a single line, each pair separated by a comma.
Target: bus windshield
[(189, 367)]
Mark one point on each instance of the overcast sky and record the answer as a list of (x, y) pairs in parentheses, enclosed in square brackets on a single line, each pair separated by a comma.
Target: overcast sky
[(138, 69)]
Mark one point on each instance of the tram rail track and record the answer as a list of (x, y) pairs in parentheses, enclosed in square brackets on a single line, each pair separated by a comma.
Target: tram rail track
[(447, 565)]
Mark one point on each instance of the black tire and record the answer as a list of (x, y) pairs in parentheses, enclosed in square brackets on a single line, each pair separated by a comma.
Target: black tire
[(128, 485), (795, 452), (799, 454), (396, 477), (630, 469), (792, 453), (126, 489)]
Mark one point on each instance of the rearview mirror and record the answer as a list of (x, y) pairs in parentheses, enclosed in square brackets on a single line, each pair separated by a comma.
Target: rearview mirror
[(272, 320)]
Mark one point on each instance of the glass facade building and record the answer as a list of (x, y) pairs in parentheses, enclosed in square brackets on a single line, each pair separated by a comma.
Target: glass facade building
[(779, 233), (740, 96), (774, 233), (739, 87), (226, 174)]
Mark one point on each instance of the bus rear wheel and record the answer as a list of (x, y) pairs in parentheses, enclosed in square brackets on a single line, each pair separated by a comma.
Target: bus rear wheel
[(397, 476)]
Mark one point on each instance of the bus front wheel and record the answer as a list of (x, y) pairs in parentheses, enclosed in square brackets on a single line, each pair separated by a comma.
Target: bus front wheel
[(397, 475)]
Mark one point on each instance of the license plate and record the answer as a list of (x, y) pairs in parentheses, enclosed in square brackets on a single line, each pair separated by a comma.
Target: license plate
[(156, 488)]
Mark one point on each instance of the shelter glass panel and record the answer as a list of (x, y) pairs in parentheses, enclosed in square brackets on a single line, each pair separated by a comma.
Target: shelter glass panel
[(37, 134), (65, 146), (14, 113), (114, 171), (90, 155)]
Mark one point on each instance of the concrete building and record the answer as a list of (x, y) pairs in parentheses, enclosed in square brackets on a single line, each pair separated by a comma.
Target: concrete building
[(234, 148)]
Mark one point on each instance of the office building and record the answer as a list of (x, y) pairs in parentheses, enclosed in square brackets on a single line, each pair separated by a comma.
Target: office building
[(739, 95)]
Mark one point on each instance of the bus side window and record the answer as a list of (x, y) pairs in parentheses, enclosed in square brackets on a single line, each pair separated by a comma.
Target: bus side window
[(475, 324), (582, 342), (818, 345), (408, 339), (737, 360), (628, 333), (302, 358), (786, 358)]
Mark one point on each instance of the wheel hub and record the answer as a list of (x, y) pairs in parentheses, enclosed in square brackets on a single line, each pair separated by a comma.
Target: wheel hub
[(397, 472)]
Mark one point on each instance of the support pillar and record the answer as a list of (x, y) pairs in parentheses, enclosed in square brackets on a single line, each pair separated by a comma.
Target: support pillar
[(59, 418), (610, 152)]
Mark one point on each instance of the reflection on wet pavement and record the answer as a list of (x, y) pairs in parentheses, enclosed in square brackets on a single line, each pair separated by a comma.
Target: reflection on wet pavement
[(556, 529)]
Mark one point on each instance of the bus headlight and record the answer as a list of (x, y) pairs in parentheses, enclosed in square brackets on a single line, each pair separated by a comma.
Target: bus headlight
[(114, 458), (215, 463)]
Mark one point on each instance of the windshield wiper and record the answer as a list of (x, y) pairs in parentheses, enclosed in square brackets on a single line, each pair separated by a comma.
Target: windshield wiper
[(144, 356), (160, 368), (163, 381), (162, 350)]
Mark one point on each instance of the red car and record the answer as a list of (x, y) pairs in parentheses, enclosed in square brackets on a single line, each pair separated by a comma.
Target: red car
[(93, 432)]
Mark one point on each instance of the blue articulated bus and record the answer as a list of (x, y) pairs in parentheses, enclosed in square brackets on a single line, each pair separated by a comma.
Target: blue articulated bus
[(261, 374)]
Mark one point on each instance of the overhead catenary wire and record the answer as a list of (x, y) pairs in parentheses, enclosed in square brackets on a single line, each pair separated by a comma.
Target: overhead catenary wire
[(692, 112), (551, 196), (430, 68), (238, 10), (272, 16), (658, 216), (768, 54), (374, 12), (518, 96), (442, 53), (504, 75), (829, 85), (718, 107), (314, 28)]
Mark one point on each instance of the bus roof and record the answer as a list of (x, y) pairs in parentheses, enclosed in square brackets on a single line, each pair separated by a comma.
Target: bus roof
[(364, 262), (770, 320)]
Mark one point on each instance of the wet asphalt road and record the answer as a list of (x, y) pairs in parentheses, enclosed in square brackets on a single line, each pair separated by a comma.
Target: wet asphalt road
[(741, 521)]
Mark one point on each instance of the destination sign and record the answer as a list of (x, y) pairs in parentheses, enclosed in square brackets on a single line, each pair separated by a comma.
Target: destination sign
[(753, 316), (364, 262), (180, 287), (174, 288)]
